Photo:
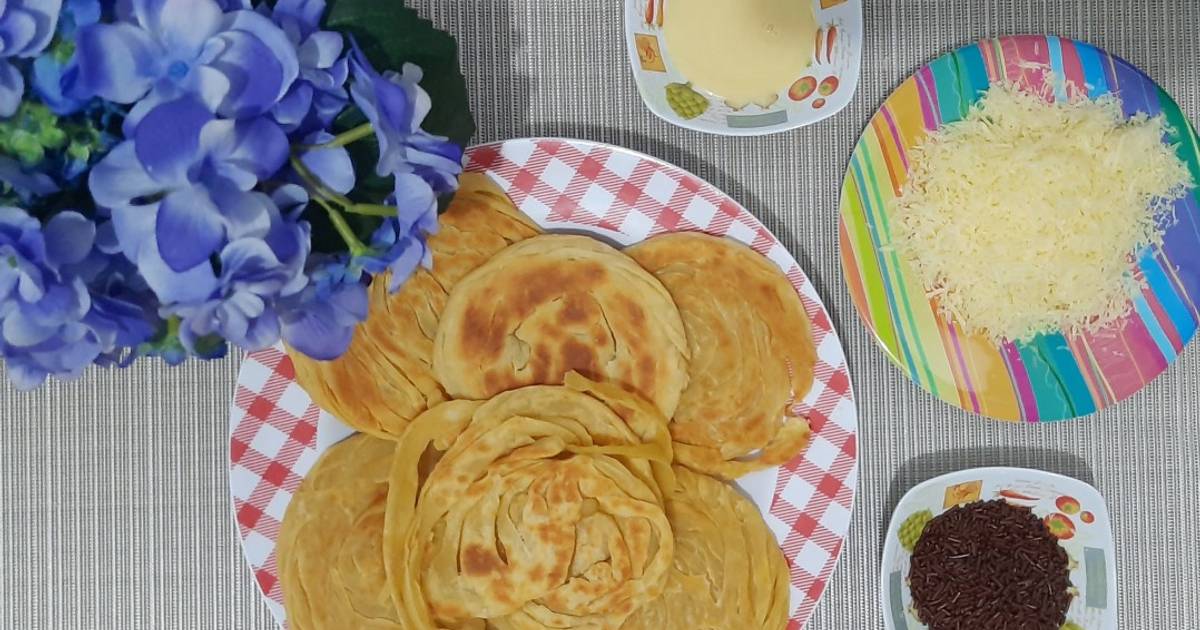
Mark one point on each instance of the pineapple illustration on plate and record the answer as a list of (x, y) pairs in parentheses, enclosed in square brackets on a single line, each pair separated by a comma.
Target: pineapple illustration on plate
[(685, 101)]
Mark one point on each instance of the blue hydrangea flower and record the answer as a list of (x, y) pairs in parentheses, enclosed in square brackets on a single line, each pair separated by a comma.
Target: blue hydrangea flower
[(318, 96), (320, 320), (255, 273), (396, 106), (43, 306), (50, 70), (238, 64), (183, 188), (26, 28), (399, 245)]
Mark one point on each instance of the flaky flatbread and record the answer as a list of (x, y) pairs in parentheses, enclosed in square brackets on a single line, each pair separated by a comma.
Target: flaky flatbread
[(386, 377), (330, 546), (544, 510), (728, 572), (752, 354), (557, 303)]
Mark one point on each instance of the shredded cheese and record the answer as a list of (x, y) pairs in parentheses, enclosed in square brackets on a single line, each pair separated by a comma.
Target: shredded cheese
[(1025, 217)]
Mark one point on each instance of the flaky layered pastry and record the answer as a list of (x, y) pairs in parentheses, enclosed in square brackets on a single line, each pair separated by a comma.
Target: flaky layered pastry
[(559, 303), (386, 377), (543, 510), (330, 546), (751, 352), (728, 570)]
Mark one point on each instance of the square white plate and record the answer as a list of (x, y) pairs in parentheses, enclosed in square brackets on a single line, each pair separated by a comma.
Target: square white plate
[(824, 89), (1077, 506)]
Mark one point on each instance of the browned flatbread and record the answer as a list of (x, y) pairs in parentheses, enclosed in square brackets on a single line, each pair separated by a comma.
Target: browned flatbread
[(331, 542), (752, 354), (544, 510), (554, 304), (386, 378), (728, 573)]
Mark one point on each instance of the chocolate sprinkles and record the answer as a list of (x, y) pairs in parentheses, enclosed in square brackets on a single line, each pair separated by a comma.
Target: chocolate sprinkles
[(989, 565)]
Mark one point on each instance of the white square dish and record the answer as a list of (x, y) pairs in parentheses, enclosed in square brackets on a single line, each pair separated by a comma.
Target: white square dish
[(1077, 509), (824, 89)]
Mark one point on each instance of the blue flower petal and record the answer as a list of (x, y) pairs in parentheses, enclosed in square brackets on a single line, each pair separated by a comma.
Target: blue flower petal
[(120, 180), (323, 330), (263, 332), (29, 183), (18, 31), (247, 255), (48, 78), (291, 110), (258, 148), (181, 26), (193, 285), (210, 85), (255, 77), (12, 88), (117, 62), (332, 166), (69, 238), (167, 140), (321, 49), (259, 61), (415, 203), (134, 228), (305, 12), (21, 330), (24, 375), (245, 215), (189, 229), (412, 254), (45, 16)]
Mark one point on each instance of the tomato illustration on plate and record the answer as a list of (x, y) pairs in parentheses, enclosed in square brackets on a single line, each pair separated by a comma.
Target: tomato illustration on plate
[(1060, 526), (1068, 505), (1087, 517), (828, 85), (802, 88)]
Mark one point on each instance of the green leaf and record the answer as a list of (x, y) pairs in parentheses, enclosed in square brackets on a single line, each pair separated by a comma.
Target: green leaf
[(391, 34)]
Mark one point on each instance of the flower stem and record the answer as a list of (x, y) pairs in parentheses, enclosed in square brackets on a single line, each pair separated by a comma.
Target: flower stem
[(373, 210), (316, 185), (343, 228), (347, 137)]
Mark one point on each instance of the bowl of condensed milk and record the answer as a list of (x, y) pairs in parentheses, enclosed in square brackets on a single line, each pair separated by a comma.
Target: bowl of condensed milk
[(745, 67)]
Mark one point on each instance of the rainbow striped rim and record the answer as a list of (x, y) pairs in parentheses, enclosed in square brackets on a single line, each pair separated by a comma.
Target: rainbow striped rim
[(1053, 377)]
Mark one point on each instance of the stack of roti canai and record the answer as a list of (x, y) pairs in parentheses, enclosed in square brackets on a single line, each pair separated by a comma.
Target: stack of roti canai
[(548, 424)]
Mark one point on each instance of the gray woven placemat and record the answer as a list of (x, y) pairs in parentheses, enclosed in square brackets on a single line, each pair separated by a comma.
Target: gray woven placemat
[(114, 510)]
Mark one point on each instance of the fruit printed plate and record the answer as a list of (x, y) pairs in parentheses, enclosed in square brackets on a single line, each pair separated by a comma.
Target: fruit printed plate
[(822, 90), (1072, 510)]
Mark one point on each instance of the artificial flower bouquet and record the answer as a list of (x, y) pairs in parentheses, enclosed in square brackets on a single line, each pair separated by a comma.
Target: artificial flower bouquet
[(181, 175)]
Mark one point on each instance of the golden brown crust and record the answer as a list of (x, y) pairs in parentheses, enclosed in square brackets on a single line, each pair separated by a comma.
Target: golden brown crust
[(386, 378), (557, 303), (331, 541), (728, 571), (752, 354), (544, 510)]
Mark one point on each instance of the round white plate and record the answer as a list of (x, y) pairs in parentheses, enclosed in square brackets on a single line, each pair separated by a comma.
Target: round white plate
[(277, 433)]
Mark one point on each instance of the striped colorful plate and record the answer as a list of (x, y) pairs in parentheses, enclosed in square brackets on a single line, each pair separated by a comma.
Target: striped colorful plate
[(1056, 376)]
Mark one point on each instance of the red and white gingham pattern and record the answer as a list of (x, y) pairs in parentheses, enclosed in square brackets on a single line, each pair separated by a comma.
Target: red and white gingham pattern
[(564, 183)]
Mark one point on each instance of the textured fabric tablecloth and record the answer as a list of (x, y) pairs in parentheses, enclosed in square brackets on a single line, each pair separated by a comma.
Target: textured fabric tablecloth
[(114, 508)]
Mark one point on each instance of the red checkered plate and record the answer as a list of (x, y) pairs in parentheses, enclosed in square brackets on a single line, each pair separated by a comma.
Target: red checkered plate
[(277, 433)]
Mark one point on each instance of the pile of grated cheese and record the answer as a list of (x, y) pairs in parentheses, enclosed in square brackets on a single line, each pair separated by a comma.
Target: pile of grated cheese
[(1026, 216)]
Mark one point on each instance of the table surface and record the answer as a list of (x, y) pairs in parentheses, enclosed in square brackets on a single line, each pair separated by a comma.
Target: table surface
[(114, 508)]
